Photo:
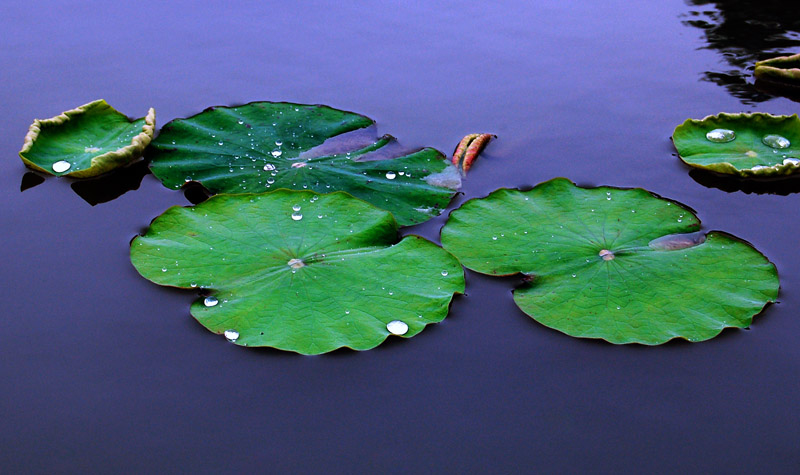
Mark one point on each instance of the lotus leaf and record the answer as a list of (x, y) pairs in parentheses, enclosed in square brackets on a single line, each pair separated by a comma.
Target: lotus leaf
[(87, 141), (622, 265), (299, 271), (266, 145), (747, 145), (784, 69)]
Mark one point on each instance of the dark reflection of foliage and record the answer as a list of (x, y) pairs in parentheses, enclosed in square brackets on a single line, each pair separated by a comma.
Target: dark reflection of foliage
[(29, 180), (111, 185), (773, 186), (744, 32)]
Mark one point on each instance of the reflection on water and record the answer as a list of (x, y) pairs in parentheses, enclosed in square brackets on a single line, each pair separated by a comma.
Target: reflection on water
[(774, 186), (29, 180), (111, 185), (744, 32)]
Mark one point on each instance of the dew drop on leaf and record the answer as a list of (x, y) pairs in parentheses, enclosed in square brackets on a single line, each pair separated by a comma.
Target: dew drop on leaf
[(397, 327), (231, 335), (776, 141), (61, 166), (720, 135)]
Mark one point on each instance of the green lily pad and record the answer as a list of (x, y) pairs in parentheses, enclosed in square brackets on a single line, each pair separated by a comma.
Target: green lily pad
[(622, 265), (264, 145), (747, 145), (784, 69), (299, 271), (87, 141)]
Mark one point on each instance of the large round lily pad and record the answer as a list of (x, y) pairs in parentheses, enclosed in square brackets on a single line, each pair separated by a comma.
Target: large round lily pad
[(86, 141), (265, 145), (621, 265), (299, 271), (748, 145)]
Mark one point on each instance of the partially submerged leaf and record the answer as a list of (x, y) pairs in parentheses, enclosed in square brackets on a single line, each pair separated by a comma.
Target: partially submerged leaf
[(784, 69), (299, 271), (264, 145), (86, 141), (747, 145), (621, 265)]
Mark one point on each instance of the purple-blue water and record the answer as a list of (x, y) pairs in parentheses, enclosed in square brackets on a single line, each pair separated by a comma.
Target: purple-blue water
[(103, 371)]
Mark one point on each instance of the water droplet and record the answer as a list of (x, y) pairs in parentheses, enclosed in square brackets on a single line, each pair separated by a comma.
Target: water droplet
[(390, 175), (220, 143), (494, 238), (277, 153), (240, 122), (791, 161), (61, 166), (608, 195), (347, 312), (163, 269), (444, 273), (720, 135), (210, 301), (270, 181), (397, 327), (278, 143), (231, 335), (269, 167), (193, 284), (574, 275), (776, 141), (297, 216), (296, 208)]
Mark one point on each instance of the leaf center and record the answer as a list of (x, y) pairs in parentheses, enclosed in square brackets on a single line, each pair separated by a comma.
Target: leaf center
[(296, 263), (606, 255)]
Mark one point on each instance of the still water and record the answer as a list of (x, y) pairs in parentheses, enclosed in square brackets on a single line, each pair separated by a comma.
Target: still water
[(103, 371)]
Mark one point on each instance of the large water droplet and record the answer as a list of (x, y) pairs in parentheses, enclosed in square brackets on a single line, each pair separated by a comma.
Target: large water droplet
[(444, 273), (721, 135), (296, 208), (231, 335), (210, 301), (278, 143), (776, 141), (61, 166), (277, 153), (390, 175), (297, 216), (791, 161), (397, 327), (269, 167), (295, 263)]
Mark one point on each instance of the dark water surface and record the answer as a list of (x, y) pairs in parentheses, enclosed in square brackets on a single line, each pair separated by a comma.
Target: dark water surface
[(103, 371)]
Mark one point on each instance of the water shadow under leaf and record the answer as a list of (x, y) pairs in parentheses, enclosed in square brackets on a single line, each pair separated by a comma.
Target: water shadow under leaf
[(778, 89), (730, 184), (29, 180), (111, 185)]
